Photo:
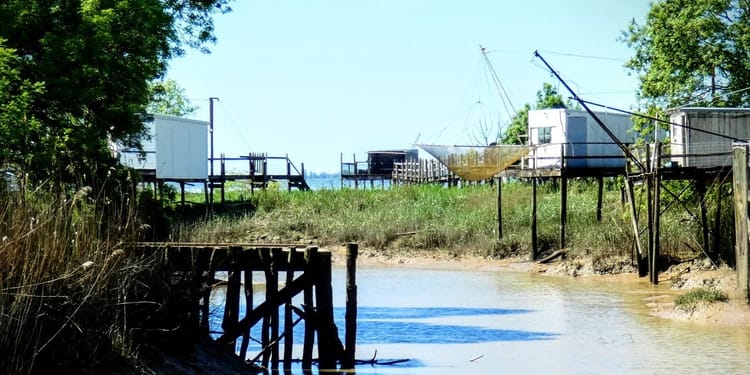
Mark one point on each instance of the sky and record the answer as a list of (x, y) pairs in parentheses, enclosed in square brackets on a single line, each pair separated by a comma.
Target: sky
[(318, 79)]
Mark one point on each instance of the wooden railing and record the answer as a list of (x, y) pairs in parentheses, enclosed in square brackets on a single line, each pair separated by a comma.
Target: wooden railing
[(421, 171)]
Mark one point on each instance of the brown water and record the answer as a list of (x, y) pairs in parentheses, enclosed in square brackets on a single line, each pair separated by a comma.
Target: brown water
[(448, 322)]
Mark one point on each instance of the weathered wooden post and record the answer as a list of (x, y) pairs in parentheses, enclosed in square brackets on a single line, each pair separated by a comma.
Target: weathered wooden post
[(650, 212), (288, 319), (232, 303), (657, 229), (717, 225), (223, 176), (208, 278), (311, 259), (534, 248), (248, 281), (327, 335), (350, 340), (563, 206), (273, 285), (563, 197), (700, 187), (599, 198), (656, 183), (499, 208), (740, 188)]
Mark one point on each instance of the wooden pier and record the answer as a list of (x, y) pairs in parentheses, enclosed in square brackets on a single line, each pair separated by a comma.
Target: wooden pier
[(307, 271), (423, 171), (254, 169)]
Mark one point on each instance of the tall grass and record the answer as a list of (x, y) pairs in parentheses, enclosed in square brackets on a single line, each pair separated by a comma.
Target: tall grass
[(65, 281), (457, 220)]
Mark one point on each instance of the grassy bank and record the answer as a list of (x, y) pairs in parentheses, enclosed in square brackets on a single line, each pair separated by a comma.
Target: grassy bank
[(72, 297), (456, 221)]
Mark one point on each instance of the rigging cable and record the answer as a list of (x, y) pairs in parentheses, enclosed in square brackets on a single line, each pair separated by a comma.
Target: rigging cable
[(498, 84), (662, 121)]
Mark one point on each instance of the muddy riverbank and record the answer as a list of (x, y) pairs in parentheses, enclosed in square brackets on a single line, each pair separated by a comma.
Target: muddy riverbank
[(680, 278)]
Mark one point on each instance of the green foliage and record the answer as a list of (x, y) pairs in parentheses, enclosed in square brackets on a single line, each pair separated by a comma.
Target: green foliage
[(515, 133), (17, 124), (691, 52), (94, 60), (168, 98), (457, 220), (690, 300)]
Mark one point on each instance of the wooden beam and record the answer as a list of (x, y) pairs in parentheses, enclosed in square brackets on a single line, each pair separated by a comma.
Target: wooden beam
[(563, 208), (350, 340), (499, 208), (264, 308), (740, 188), (534, 248), (599, 198)]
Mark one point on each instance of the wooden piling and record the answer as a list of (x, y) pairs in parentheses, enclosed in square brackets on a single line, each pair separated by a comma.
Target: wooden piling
[(248, 281), (327, 335), (273, 286), (714, 253), (208, 279), (599, 198), (655, 229), (740, 188), (499, 207), (563, 207), (288, 319), (232, 296), (700, 187), (534, 248), (656, 251), (637, 249), (350, 340), (311, 257)]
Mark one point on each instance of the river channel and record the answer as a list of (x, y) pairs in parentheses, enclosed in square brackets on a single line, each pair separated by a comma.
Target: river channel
[(489, 322)]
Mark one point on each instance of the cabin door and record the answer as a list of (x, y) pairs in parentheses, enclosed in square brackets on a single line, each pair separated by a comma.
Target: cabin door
[(576, 146)]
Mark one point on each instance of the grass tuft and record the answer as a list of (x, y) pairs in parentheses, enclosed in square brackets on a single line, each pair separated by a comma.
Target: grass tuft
[(692, 299)]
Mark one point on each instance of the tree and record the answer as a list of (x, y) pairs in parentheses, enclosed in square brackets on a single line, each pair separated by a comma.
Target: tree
[(691, 52), (95, 59), (547, 97), (16, 99), (168, 98)]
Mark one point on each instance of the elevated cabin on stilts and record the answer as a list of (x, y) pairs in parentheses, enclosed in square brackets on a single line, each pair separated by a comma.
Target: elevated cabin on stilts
[(565, 143), (572, 140), (379, 166)]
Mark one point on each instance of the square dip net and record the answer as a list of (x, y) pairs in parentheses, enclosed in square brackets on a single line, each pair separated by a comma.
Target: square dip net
[(476, 163)]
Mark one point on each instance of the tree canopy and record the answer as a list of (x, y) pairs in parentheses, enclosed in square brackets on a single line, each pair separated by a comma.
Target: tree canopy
[(84, 69), (168, 98), (692, 53), (547, 97)]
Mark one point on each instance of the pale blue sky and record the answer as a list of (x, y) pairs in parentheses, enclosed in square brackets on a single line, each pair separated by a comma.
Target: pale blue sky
[(314, 79)]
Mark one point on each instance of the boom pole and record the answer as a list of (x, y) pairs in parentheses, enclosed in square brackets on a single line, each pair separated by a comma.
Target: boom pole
[(604, 127)]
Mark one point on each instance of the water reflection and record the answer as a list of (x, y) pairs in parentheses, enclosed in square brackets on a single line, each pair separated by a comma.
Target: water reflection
[(414, 326)]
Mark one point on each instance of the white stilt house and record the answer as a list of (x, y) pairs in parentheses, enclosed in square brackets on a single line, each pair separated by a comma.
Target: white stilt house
[(574, 135), (703, 137), (177, 150)]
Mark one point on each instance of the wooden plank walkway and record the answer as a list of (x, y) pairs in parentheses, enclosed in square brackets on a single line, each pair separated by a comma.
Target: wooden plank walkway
[(240, 261)]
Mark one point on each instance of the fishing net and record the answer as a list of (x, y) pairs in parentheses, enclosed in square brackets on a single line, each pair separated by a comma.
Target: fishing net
[(475, 163)]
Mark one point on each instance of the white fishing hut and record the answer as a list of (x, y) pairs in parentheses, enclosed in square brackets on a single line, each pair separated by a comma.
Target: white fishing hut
[(576, 135), (702, 137), (176, 151)]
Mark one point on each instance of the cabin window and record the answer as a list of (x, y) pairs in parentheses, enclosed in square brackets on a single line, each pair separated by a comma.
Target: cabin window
[(544, 135)]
